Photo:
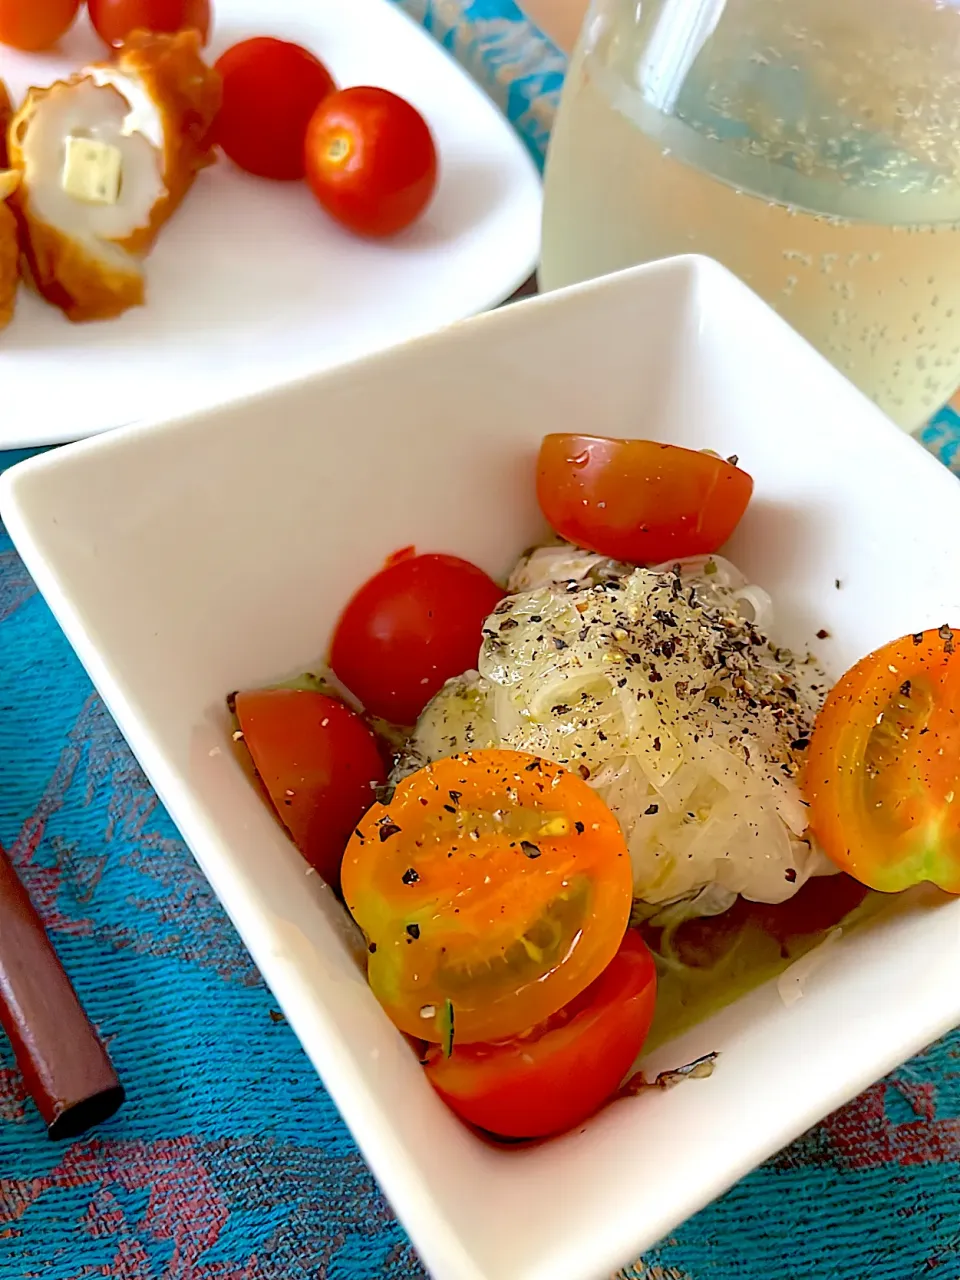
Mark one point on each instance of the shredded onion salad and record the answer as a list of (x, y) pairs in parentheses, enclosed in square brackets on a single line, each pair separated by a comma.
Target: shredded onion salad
[(662, 688)]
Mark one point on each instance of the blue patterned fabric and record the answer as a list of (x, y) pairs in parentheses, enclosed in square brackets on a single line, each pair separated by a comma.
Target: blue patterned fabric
[(229, 1162), (518, 66), (941, 436)]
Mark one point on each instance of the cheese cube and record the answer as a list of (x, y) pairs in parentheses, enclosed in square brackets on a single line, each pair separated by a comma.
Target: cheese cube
[(92, 170)]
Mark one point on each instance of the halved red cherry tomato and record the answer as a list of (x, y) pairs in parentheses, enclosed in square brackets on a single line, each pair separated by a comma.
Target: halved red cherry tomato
[(883, 771), (371, 160), (271, 88), (637, 500), (565, 1069), (35, 24), (409, 629), (114, 20), (320, 764), (492, 889)]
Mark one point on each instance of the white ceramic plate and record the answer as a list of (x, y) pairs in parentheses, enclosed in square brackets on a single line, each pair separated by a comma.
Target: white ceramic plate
[(194, 557), (251, 285)]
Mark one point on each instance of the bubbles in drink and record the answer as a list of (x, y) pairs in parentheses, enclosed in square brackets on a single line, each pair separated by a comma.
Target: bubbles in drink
[(872, 275)]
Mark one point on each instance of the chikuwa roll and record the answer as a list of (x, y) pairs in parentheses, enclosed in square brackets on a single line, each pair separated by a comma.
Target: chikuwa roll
[(104, 159)]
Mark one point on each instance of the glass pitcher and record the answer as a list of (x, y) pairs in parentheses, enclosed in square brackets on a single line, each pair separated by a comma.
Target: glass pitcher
[(812, 146)]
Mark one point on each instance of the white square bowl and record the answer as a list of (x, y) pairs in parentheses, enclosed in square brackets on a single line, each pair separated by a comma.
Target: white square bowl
[(188, 558)]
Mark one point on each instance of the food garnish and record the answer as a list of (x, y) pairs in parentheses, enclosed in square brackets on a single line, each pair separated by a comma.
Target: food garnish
[(105, 158), (701, 1068), (664, 686), (883, 771)]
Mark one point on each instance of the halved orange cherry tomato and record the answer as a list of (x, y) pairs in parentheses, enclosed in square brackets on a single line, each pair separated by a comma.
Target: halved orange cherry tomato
[(565, 1069), (883, 771), (637, 500), (492, 889)]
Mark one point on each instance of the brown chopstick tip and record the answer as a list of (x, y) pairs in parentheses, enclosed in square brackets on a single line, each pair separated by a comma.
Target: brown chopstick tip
[(65, 1066), (76, 1118)]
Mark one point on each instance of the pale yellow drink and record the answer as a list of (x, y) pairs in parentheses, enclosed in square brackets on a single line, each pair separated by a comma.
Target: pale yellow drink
[(868, 271)]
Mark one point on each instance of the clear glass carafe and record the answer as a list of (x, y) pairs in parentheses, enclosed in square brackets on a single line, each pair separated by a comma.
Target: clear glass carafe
[(812, 146)]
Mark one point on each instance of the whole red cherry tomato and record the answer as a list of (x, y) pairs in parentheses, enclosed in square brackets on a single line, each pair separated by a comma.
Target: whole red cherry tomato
[(271, 88), (410, 629), (35, 24), (113, 20), (371, 160)]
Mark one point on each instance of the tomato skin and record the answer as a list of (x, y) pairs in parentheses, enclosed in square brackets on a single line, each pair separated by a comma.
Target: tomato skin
[(114, 20), (32, 25), (271, 88), (319, 763), (637, 500), (409, 629), (820, 905), (883, 769), (492, 889), (558, 1076), (371, 160)]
